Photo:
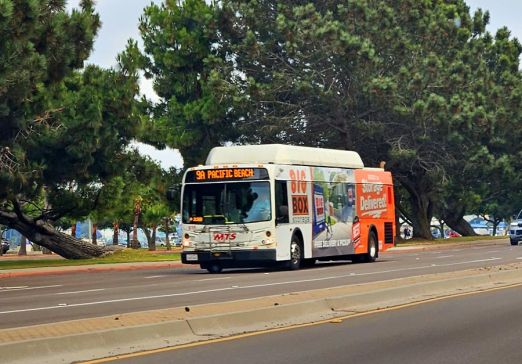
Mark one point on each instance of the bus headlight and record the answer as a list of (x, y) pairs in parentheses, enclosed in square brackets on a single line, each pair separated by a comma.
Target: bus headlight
[(267, 241)]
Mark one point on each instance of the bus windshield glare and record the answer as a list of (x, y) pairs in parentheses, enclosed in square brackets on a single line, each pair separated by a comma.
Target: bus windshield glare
[(226, 203)]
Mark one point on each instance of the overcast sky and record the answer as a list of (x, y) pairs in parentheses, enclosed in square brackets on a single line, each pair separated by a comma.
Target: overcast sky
[(120, 22)]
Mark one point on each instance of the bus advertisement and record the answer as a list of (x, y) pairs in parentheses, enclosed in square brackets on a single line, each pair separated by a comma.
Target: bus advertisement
[(263, 205)]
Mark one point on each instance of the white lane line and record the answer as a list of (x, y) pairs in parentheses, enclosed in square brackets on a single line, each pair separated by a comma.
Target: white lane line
[(444, 256), (65, 305), (492, 251), (520, 258), (19, 287), (150, 277), (25, 288), (212, 279), (88, 290)]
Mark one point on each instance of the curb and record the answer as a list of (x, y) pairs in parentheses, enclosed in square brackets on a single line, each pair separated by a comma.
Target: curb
[(97, 344)]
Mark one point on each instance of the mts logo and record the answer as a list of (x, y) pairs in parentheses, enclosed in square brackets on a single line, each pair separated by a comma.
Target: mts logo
[(300, 205), (224, 236)]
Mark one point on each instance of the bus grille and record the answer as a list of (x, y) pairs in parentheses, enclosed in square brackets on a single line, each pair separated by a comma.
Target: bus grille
[(388, 233)]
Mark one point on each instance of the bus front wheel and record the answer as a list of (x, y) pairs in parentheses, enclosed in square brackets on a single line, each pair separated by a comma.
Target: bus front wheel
[(296, 254)]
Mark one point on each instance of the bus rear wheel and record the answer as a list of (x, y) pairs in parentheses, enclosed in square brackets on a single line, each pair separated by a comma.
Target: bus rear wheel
[(371, 255)]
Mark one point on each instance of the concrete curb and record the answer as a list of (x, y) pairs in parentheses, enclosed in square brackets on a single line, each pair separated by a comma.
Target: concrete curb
[(96, 344)]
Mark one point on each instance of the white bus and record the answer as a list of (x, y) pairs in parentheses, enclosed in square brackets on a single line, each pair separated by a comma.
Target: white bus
[(263, 205)]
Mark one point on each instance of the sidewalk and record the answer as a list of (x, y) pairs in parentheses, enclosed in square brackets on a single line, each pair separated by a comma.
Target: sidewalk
[(26, 272)]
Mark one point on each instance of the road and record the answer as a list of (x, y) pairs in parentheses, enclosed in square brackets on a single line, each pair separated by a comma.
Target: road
[(477, 328), (43, 299)]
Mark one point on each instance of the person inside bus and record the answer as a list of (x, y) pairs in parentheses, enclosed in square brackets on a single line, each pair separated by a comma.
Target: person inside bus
[(260, 210)]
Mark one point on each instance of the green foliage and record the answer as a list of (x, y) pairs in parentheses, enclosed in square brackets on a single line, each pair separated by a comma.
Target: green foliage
[(179, 41), (418, 84), (63, 132)]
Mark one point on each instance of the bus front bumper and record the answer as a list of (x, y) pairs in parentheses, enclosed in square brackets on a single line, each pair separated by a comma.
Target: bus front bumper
[(233, 258)]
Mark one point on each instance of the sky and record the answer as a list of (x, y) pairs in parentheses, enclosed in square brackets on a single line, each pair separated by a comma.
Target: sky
[(120, 22)]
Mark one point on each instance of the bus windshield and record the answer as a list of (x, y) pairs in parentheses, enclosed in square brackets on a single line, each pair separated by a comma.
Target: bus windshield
[(226, 203)]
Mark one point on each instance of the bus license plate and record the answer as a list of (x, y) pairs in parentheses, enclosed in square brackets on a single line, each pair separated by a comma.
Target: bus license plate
[(192, 257)]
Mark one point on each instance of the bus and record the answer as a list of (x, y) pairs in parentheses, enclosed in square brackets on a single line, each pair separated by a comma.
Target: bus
[(272, 204)]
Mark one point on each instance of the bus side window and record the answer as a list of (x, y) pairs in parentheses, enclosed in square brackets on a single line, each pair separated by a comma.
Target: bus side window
[(281, 202)]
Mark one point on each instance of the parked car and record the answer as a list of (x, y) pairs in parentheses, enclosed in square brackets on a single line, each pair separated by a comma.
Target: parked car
[(515, 229), (5, 246), (453, 234)]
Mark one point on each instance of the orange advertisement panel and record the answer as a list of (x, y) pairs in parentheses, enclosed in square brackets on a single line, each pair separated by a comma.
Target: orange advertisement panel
[(374, 194), (375, 207)]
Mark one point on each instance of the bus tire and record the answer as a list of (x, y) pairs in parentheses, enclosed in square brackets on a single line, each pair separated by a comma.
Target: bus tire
[(296, 254), (371, 255), (514, 242), (214, 268)]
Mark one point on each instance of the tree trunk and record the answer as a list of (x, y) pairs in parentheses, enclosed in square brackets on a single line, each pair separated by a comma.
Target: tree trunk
[(147, 235), (116, 234), (46, 236), (422, 214), (419, 190), (455, 220), (23, 246), (152, 243), (94, 234), (135, 243), (73, 229), (167, 228)]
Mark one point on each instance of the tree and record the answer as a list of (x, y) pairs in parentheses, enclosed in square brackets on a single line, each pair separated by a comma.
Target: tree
[(62, 131), (194, 112)]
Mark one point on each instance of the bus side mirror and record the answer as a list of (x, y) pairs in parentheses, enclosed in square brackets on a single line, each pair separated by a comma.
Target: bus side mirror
[(173, 193)]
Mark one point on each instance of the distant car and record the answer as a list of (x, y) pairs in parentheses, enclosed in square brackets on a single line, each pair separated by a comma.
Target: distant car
[(5, 246), (515, 230), (453, 234)]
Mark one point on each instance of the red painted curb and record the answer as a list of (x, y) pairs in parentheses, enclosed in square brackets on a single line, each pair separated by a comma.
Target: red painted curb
[(89, 270)]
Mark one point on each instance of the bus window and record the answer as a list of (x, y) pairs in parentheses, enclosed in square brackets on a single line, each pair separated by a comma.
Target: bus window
[(281, 202)]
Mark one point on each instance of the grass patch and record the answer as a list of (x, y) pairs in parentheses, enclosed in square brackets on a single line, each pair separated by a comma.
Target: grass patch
[(122, 256), (460, 239)]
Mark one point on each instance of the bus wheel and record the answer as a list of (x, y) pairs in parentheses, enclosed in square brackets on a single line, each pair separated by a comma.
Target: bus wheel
[(514, 242), (214, 268), (372, 248), (296, 254)]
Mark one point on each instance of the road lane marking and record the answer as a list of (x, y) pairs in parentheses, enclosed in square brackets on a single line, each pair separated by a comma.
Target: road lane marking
[(444, 256), (211, 279), (348, 275), (26, 288), (150, 277), (88, 290)]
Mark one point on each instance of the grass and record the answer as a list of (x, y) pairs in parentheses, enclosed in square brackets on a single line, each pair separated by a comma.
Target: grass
[(460, 239), (123, 256)]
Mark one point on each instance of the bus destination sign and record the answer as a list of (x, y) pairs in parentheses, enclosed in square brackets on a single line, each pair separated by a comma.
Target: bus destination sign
[(226, 174)]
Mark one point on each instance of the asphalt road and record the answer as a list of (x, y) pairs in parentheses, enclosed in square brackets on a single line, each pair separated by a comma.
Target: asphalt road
[(478, 328), (42, 299)]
